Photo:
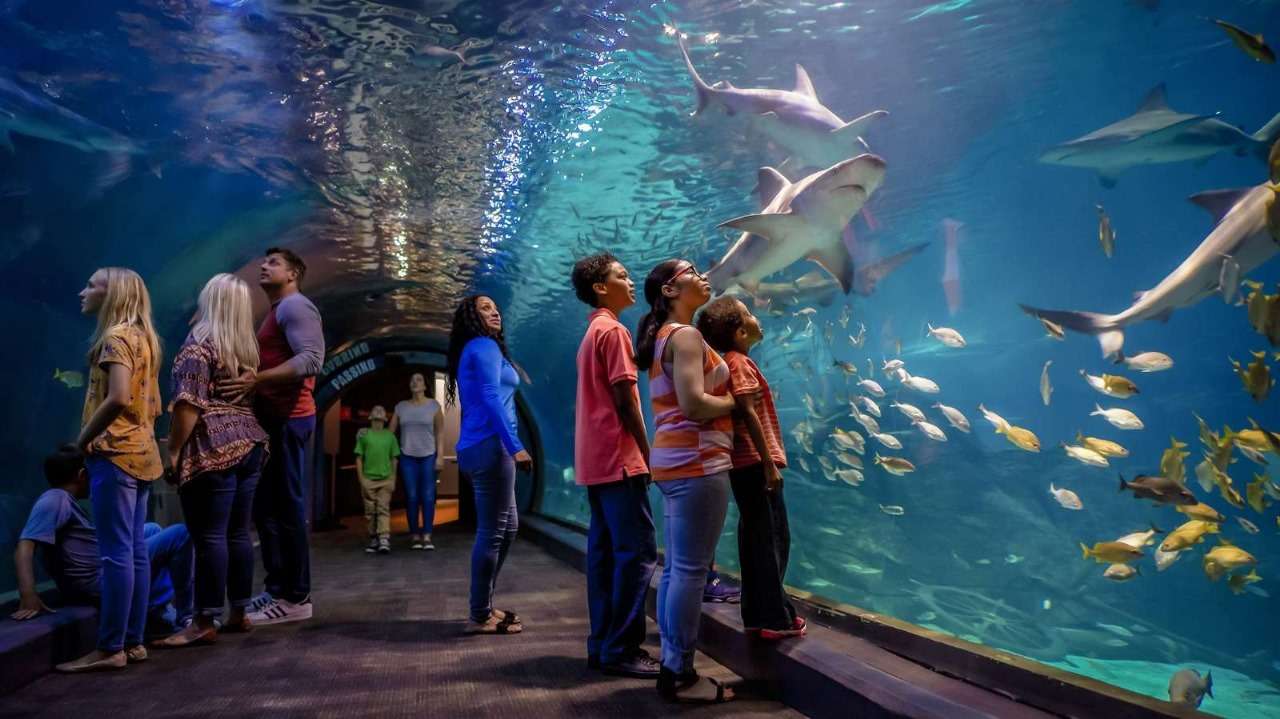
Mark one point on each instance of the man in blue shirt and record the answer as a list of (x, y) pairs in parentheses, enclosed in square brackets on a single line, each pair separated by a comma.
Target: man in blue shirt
[(60, 530)]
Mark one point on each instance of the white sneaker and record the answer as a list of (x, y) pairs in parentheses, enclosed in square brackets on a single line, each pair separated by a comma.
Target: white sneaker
[(426, 543), (281, 611), (384, 545), (260, 602)]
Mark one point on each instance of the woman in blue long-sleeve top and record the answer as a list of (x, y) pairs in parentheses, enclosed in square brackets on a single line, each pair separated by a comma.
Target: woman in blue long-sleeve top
[(483, 379)]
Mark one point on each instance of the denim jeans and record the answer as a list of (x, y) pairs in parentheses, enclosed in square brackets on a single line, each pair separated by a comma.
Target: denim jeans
[(280, 509), (694, 511), (621, 556), (173, 567), (764, 545), (217, 506), (420, 491), (120, 513), (493, 480)]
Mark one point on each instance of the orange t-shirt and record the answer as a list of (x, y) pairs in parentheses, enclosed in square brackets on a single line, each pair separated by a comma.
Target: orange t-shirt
[(684, 448), (603, 449), (130, 440), (745, 378)]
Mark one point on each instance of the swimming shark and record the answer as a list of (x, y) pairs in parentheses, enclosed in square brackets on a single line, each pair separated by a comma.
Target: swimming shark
[(804, 219), (1156, 134), (30, 114), (1246, 235), (793, 119)]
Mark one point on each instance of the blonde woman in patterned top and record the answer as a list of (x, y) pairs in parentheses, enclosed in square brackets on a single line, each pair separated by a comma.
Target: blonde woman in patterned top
[(118, 438), (690, 462), (216, 452)]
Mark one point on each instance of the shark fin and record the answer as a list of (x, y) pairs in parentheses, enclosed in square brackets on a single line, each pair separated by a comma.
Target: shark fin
[(834, 258), (804, 86), (857, 127), (769, 182), (771, 226), (1219, 202), (1268, 133), (1104, 327), (1163, 315), (6, 140), (704, 90), (1156, 99), (868, 277)]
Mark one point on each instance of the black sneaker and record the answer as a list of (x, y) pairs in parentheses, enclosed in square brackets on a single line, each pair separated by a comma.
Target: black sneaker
[(639, 666), (719, 592)]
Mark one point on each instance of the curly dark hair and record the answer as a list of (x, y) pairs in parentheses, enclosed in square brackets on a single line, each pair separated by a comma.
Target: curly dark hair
[(467, 326), (588, 271), (719, 322)]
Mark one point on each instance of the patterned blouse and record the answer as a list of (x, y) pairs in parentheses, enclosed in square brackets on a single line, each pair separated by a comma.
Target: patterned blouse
[(225, 432), (683, 448), (129, 442)]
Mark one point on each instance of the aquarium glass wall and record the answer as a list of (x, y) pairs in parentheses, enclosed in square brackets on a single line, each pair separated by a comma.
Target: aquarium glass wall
[(1006, 335)]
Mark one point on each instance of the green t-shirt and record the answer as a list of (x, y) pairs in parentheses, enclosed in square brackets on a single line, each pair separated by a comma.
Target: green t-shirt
[(378, 447)]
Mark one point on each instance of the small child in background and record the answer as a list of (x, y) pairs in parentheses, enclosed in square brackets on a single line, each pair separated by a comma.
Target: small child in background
[(377, 451), (764, 537)]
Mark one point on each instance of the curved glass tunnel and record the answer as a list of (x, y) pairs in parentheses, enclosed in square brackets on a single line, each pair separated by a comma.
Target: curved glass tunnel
[(183, 138)]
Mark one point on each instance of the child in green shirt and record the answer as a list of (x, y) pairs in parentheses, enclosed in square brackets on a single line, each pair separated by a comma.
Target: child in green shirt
[(376, 453)]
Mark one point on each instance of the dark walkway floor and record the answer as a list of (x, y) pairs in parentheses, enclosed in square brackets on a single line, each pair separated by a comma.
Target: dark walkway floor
[(386, 642)]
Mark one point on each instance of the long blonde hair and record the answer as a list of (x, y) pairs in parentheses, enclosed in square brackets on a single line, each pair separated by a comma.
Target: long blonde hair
[(127, 302), (225, 318)]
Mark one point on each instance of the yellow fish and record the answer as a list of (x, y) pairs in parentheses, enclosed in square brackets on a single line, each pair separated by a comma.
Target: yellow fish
[(1173, 462), (1188, 534), (1201, 512), (71, 378), (1020, 437), (1118, 386), (1224, 558), (895, 465), (1256, 377), (1227, 488), (1257, 493), (1110, 552), (1238, 582), (1104, 447), (1251, 44)]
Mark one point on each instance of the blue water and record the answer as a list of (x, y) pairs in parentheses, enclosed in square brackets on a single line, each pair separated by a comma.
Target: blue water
[(408, 181)]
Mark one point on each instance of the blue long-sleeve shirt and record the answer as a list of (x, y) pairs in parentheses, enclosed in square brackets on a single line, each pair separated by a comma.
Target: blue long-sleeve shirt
[(486, 388)]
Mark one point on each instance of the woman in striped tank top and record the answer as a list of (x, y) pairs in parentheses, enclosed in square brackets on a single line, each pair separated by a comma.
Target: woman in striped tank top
[(690, 462)]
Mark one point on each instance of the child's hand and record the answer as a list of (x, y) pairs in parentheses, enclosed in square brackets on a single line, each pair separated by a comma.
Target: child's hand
[(772, 477)]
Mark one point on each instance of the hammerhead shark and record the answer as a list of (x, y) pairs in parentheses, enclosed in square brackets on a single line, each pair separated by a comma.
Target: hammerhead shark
[(1156, 134), (793, 119), (1246, 235), (806, 219)]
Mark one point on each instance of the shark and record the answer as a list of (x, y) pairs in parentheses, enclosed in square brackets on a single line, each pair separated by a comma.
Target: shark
[(805, 219), (1245, 236), (1156, 134), (794, 120), (815, 287), (27, 113)]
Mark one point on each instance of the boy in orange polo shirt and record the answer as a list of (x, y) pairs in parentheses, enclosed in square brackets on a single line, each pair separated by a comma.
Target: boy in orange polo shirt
[(764, 536), (611, 450)]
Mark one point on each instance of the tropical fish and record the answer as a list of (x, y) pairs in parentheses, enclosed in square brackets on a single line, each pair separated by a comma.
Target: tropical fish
[(1111, 385), (1141, 539), (1224, 558), (1256, 377), (911, 412), (848, 440), (869, 405), (1120, 572), (1066, 498), (1253, 455), (851, 477), (1250, 43), (1160, 490), (1104, 447), (920, 384), (827, 465), (1106, 233), (954, 416), (1119, 418), (849, 459), (815, 287), (868, 422), (1165, 559), (946, 336), (1187, 688), (1188, 534), (996, 420), (895, 465), (845, 315), (847, 367), (930, 430), (1053, 329), (892, 365), (1084, 455), (1173, 462), (1248, 526), (1148, 361), (1201, 511), (871, 387), (893, 510), (1239, 582), (887, 440), (436, 52), (861, 338), (1242, 232), (1256, 493), (1110, 552), (1156, 134), (1046, 389), (69, 377)]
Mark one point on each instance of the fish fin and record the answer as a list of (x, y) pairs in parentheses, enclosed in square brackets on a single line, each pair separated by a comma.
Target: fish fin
[(1208, 684), (1107, 180), (769, 182), (772, 226), (1268, 134), (834, 258), (868, 277), (1122, 483), (1164, 315), (857, 127), (704, 91), (1084, 551), (6, 141), (1103, 326), (1219, 202), (804, 85), (1156, 99)]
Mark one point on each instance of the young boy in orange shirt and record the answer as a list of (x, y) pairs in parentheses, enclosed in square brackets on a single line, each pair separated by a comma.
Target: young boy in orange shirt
[(764, 537)]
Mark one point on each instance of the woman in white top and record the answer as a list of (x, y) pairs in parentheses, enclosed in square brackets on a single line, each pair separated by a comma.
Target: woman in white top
[(419, 421)]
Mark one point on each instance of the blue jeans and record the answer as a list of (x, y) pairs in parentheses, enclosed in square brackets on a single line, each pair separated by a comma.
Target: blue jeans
[(280, 509), (218, 506), (420, 491), (120, 513), (694, 511), (493, 479), (172, 574), (621, 556)]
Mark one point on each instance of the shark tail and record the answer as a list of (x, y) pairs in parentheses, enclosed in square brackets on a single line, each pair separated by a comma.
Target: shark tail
[(1267, 135), (1109, 332), (705, 91)]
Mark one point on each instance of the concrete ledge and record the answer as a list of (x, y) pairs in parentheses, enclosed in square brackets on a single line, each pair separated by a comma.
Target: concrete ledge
[(857, 663), (31, 648)]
